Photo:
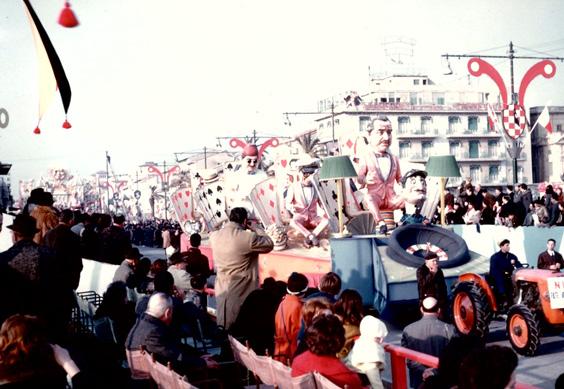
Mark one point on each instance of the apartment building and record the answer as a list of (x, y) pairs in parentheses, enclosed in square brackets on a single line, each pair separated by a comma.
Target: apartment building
[(430, 119)]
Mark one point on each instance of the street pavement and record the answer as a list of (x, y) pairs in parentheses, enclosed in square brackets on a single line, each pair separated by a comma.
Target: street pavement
[(540, 370)]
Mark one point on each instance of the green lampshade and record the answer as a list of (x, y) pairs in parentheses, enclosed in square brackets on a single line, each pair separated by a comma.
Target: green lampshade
[(334, 168), (442, 166)]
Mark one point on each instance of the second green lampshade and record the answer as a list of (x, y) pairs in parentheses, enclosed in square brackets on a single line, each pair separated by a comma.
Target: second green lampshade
[(442, 166), (334, 168)]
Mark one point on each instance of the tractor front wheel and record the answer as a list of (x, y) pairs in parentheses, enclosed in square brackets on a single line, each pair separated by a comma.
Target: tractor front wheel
[(471, 310), (523, 330)]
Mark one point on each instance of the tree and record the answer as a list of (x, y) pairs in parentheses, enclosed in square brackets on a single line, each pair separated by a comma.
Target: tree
[(309, 143)]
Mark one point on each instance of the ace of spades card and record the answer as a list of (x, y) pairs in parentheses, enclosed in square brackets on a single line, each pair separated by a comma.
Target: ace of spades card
[(327, 191), (211, 202), (264, 198), (183, 206)]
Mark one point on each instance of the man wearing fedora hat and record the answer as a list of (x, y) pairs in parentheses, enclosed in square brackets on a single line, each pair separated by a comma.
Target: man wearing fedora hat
[(26, 272)]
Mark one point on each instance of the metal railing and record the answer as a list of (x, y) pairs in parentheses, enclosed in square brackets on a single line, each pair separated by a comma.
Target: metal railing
[(398, 357)]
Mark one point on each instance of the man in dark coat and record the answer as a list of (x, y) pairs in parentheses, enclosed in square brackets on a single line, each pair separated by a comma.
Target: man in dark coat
[(428, 335), (502, 265), (550, 259), (153, 331), (66, 246), (27, 273), (196, 262), (115, 242), (431, 281)]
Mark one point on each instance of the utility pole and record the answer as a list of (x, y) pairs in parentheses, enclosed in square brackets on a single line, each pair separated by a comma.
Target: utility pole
[(164, 176), (108, 181), (333, 121), (515, 150)]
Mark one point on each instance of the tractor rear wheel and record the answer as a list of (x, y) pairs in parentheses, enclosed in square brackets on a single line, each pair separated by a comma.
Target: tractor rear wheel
[(471, 310), (523, 330)]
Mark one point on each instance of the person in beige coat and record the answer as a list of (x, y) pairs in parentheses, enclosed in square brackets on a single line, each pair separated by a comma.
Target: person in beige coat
[(235, 254)]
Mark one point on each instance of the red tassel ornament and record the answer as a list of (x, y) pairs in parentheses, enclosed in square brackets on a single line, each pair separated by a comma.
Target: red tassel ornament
[(67, 18)]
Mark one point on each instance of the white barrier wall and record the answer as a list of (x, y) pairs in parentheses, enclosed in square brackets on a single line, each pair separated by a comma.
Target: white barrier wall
[(96, 276), (6, 234), (526, 242)]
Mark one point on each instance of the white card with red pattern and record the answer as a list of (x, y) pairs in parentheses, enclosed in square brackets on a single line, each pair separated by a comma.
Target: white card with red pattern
[(182, 203), (265, 202)]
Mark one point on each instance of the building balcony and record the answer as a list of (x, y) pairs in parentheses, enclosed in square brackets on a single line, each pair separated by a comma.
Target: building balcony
[(472, 134), (420, 134), (407, 107), (417, 158), (486, 156)]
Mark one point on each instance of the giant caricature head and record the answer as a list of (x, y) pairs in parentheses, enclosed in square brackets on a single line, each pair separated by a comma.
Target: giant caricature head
[(381, 134), (414, 186), (252, 155), (251, 159)]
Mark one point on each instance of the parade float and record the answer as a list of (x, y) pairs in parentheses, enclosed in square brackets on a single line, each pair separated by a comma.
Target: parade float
[(341, 219)]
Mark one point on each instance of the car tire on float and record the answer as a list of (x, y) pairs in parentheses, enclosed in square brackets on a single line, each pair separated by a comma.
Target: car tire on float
[(404, 237)]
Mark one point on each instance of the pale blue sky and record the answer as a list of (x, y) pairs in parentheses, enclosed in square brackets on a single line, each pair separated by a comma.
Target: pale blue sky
[(153, 77)]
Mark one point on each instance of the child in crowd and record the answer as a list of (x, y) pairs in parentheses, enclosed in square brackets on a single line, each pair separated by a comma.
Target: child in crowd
[(288, 318), (367, 355)]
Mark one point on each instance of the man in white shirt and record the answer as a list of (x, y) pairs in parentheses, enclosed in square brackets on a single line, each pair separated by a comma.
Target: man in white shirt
[(550, 259), (379, 171)]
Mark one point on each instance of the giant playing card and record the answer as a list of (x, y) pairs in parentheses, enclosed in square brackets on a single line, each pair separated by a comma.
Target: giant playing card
[(265, 202), (182, 203), (210, 201)]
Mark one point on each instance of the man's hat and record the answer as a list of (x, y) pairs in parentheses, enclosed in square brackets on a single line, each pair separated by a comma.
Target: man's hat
[(133, 253), (308, 164), (504, 242), (412, 173), (250, 150), (209, 175), (25, 225), (297, 284)]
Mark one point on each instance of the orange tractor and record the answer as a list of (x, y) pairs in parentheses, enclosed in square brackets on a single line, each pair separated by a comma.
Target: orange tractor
[(474, 305)]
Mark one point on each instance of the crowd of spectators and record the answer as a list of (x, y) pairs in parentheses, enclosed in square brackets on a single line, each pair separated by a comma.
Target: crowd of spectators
[(155, 304), (312, 329), (510, 206)]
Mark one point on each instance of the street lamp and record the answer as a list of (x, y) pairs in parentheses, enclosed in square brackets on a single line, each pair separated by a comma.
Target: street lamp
[(442, 166)]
